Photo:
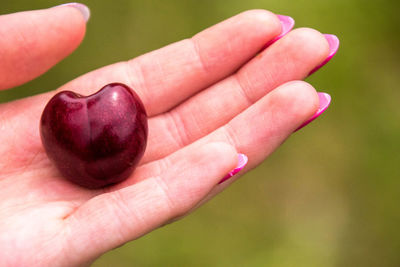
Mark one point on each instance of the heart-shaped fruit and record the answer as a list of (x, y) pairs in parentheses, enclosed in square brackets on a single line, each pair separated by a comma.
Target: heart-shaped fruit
[(97, 140)]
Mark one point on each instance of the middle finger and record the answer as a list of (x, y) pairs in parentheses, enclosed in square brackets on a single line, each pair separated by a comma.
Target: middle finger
[(291, 58)]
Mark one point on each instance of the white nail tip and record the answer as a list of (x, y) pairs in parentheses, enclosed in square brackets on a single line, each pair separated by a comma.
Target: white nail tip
[(85, 11)]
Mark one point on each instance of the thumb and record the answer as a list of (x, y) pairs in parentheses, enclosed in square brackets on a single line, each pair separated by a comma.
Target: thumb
[(33, 41)]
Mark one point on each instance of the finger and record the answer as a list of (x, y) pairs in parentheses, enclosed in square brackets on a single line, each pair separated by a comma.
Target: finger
[(129, 213), (165, 77), (179, 66), (256, 132), (32, 42), (291, 58), (201, 114), (261, 128), (308, 103)]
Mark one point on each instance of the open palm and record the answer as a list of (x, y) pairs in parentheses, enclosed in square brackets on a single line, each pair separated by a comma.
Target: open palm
[(208, 98)]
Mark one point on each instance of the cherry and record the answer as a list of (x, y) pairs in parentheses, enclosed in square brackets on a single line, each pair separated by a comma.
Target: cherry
[(97, 140)]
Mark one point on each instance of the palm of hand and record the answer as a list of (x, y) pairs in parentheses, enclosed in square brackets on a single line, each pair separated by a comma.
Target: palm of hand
[(203, 111)]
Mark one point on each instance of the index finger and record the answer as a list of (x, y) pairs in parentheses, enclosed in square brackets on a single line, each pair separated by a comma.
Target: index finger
[(168, 76), (31, 42)]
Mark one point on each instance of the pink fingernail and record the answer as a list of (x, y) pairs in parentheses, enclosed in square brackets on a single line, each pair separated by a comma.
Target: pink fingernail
[(85, 11), (287, 25), (333, 48), (242, 161), (324, 102)]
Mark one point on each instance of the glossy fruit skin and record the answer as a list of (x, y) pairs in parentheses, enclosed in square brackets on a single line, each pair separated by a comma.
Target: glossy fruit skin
[(97, 140)]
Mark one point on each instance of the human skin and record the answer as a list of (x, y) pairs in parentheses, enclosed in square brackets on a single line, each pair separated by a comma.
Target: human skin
[(214, 101)]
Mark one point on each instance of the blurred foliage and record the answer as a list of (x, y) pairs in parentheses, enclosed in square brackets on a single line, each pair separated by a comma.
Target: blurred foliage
[(329, 196)]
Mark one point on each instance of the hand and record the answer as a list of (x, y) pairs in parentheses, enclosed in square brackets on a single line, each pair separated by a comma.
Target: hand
[(208, 98)]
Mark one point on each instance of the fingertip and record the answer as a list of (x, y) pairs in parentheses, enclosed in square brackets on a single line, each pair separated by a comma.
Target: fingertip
[(268, 24), (306, 98), (66, 32), (263, 18), (37, 40), (311, 43), (223, 153), (76, 15), (287, 24), (302, 100), (324, 102)]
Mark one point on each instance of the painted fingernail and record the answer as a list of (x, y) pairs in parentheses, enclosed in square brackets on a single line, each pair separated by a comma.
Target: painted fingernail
[(85, 11), (242, 161), (287, 25), (333, 48), (324, 102)]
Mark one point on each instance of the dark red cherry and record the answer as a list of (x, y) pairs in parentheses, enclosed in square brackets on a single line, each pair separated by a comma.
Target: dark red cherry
[(96, 140)]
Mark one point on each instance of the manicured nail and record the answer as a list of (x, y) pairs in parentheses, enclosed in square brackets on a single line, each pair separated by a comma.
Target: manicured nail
[(287, 25), (85, 11), (333, 48), (324, 102), (242, 161)]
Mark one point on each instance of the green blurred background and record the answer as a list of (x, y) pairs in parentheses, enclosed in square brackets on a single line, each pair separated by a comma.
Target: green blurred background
[(330, 195)]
